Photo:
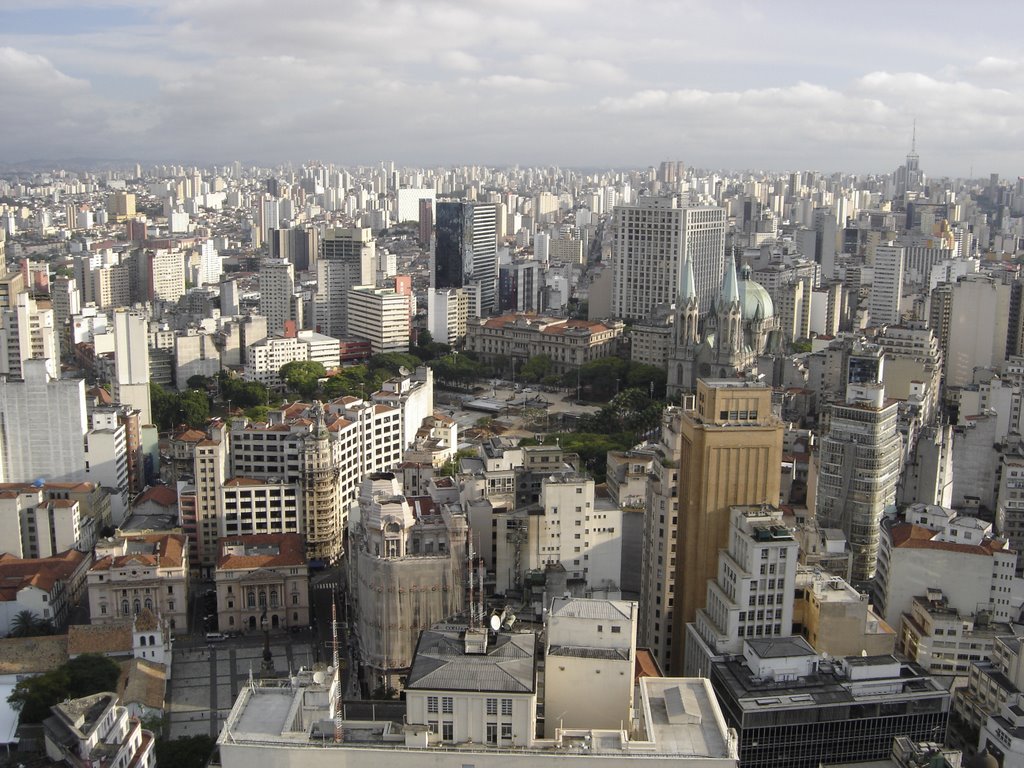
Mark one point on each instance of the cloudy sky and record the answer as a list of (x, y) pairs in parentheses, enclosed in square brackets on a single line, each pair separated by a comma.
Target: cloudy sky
[(589, 83)]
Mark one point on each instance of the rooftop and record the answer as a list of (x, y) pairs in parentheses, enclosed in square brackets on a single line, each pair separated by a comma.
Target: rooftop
[(441, 663)]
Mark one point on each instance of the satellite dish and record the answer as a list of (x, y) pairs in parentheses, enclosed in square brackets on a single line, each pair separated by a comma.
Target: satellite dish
[(495, 622)]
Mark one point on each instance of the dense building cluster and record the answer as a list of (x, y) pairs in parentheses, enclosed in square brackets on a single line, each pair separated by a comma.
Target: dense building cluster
[(236, 386)]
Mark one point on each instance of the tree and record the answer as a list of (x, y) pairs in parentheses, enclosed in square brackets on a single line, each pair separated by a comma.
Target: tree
[(393, 362), (82, 676), (186, 752), (27, 624), (536, 369), (198, 381), (303, 376)]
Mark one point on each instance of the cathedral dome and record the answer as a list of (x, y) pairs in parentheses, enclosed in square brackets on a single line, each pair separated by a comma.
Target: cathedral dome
[(754, 299)]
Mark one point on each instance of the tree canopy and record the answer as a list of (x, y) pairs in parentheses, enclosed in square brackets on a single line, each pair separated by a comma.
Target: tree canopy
[(173, 408), (28, 624), (186, 752), (303, 376), (81, 676)]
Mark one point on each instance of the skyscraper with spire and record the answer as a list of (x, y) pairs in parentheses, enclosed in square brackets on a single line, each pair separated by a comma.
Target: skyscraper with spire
[(908, 177)]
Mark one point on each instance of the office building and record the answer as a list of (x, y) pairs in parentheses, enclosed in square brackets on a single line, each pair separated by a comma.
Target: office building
[(793, 708), (978, 323), (590, 659), (407, 571), (28, 329), (859, 461), (722, 449), (97, 730), (299, 247), (347, 259), (466, 252), (43, 424), (752, 594), (887, 285), (652, 240), (448, 312), (131, 363), (277, 296), (380, 315)]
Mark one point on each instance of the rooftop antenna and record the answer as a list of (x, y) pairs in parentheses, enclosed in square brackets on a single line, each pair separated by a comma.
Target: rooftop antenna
[(480, 611), (337, 669), (913, 138), (472, 604)]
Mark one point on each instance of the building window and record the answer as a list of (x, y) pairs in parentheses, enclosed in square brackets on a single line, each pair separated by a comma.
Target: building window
[(447, 705), (447, 731), (492, 733), (506, 731), (431, 703), (492, 706), (251, 599), (506, 707), (432, 725)]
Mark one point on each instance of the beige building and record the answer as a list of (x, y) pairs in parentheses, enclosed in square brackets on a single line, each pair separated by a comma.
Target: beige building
[(567, 343), (837, 619), (590, 653), (263, 575), (380, 315), (140, 571), (729, 452)]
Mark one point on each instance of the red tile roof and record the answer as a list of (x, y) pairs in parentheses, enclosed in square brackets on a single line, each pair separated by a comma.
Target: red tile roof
[(910, 536), (291, 550), (163, 495)]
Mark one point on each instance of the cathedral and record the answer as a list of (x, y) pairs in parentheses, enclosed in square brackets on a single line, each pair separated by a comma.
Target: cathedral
[(728, 340)]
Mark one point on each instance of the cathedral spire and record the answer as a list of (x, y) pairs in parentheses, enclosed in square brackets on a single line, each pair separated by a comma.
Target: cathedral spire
[(730, 286), (688, 288)]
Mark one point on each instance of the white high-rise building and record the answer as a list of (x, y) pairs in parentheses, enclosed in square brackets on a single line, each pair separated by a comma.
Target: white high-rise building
[(42, 426), (166, 275), (380, 315), (448, 310), (409, 203), (752, 595), (347, 259), (652, 240), (277, 294), (887, 285), (211, 264), (27, 331), (131, 363)]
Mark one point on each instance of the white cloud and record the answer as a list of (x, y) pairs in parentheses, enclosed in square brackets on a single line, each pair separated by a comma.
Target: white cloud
[(586, 82)]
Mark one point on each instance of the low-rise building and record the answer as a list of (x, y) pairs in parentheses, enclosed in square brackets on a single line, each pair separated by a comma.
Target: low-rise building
[(140, 571), (46, 587), (836, 619), (97, 731), (568, 344), (945, 640), (262, 577)]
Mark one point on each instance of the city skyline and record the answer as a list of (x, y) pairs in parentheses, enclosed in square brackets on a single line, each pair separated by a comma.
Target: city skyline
[(578, 84)]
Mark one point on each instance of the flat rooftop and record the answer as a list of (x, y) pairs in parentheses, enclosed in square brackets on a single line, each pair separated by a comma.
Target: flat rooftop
[(678, 718)]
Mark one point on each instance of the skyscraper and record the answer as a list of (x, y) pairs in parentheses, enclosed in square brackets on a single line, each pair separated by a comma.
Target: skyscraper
[(887, 285), (466, 251), (731, 451), (653, 238), (347, 259), (131, 363), (859, 462), (277, 294)]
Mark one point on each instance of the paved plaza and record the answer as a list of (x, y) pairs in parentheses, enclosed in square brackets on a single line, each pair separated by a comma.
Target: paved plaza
[(206, 679)]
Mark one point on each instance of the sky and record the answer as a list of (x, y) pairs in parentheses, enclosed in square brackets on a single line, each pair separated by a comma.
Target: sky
[(775, 86)]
